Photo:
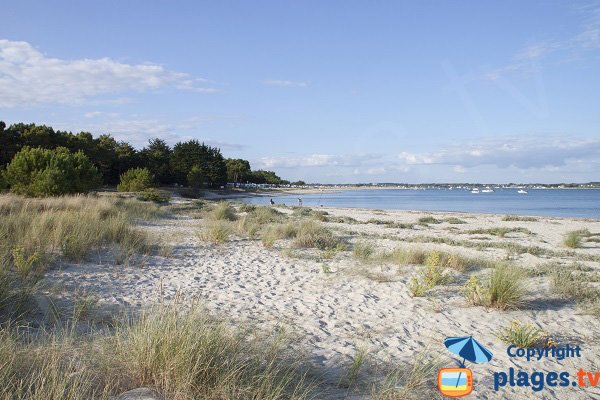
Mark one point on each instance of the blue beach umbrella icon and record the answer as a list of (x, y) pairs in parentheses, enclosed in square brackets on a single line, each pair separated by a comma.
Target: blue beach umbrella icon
[(469, 349)]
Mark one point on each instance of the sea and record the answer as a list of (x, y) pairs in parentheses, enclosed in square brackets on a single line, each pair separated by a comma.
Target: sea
[(577, 203)]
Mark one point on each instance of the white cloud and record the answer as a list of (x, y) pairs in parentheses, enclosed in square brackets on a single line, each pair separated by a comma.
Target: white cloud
[(28, 77), (522, 153), (317, 160), (284, 83)]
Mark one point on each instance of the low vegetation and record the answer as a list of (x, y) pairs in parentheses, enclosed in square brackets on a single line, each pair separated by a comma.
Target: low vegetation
[(574, 239), (183, 355), (313, 235), (499, 231), (216, 232), (519, 218), (136, 180), (429, 220), (223, 212), (504, 289), (575, 284), (524, 335), (363, 250)]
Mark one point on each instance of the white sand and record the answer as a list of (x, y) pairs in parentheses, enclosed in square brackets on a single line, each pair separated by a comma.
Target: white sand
[(330, 315)]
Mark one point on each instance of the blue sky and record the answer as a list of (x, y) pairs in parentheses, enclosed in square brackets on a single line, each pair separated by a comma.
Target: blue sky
[(325, 91)]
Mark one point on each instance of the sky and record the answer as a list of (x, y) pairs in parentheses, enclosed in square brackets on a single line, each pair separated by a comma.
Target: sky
[(324, 91)]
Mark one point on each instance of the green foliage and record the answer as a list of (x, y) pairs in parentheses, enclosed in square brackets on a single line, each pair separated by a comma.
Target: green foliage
[(155, 195), (194, 177), (136, 180), (112, 158), (268, 177), (40, 172), (237, 170)]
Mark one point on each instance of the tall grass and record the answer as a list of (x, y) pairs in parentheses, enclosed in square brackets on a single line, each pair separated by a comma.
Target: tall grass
[(183, 355), (313, 235), (504, 290), (223, 211), (37, 232), (573, 239)]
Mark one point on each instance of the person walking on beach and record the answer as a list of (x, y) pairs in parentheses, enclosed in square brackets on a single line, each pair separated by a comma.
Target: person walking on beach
[(271, 201), (299, 201)]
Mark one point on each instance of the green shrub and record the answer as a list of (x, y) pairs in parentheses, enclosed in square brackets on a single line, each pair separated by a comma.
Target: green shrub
[(194, 177), (266, 215), (135, 180), (455, 221), (247, 208), (38, 172), (155, 195)]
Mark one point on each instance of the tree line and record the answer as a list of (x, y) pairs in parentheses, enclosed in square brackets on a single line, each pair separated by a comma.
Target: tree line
[(187, 163)]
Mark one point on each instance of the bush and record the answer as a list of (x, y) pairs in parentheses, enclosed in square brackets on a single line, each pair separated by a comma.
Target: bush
[(136, 180), (194, 177), (40, 172), (155, 195)]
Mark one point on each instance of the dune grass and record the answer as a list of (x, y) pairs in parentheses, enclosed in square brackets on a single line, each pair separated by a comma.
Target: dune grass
[(223, 212), (568, 283), (363, 250), (524, 335), (313, 235), (500, 231), (414, 381), (37, 233), (519, 218), (504, 289), (216, 232), (182, 354), (573, 239)]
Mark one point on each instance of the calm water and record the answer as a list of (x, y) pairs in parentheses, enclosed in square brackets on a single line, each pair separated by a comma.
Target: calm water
[(556, 202)]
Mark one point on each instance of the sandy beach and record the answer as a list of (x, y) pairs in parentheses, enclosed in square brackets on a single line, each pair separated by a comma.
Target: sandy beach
[(333, 305)]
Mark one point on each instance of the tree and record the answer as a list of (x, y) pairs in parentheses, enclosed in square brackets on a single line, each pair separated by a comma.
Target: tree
[(135, 180), (50, 172), (188, 154), (238, 170), (156, 157), (194, 177), (268, 177)]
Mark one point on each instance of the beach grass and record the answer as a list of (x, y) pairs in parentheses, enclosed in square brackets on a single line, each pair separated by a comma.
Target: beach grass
[(524, 335), (504, 289), (216, 232), (313, 235), (180, 354)]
